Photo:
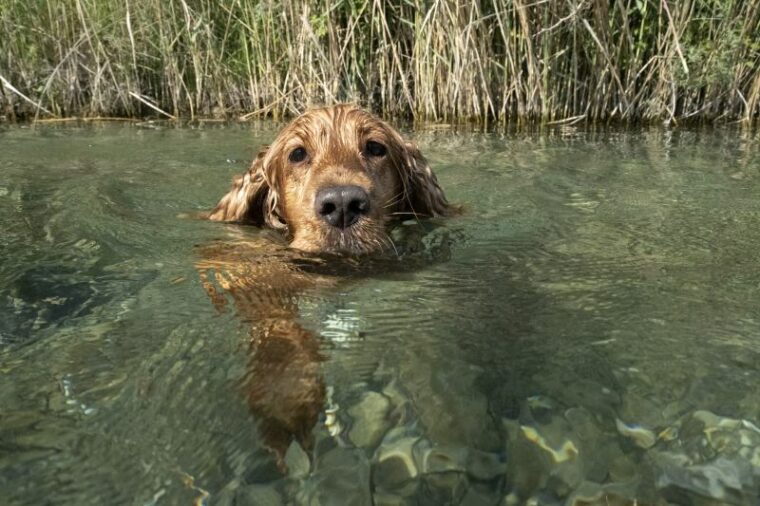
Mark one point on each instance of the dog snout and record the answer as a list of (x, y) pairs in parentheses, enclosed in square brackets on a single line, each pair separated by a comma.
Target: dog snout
[(342, 206)]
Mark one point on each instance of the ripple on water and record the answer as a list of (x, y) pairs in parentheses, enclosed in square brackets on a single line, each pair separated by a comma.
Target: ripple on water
[(586, 329)]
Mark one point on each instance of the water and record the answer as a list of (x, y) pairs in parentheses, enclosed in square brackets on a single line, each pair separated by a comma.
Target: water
[(567, 338)]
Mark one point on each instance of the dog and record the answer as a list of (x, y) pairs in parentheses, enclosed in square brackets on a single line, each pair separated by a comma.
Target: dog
[(332, 181), (332, 184)]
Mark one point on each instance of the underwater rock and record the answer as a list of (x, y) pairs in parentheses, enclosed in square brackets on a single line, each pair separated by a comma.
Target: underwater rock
[(449, 403), (297, 461), (479, 465), (382, 498), (642, 437), (706, 458), (511, 499), (332, 422), (564, 452), (370, 420), (341, 476), (645, 411), (393, 392), (225, 497), (537, 458), (476, 497), (724, 480), (258, 495), (594, 494), (402, 410), (550, 452), (484, 466), (445, 472), (598, 448), (443, 488), (394, 462), (596, 390), (622, 469), (441, 459)]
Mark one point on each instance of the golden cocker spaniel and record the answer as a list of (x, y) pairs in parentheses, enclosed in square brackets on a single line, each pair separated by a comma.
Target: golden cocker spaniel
[(332, 181)]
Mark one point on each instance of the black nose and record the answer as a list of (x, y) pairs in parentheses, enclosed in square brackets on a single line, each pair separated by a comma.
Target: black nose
[(342, 206)]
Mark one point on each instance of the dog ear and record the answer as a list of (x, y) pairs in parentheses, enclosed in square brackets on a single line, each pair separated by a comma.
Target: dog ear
[(252, 198), (423, 196)]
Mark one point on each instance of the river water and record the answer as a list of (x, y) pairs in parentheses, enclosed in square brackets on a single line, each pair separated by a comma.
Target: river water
[(586, 332)]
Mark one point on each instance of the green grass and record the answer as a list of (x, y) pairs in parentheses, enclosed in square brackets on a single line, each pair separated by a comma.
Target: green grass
[(484, 62)]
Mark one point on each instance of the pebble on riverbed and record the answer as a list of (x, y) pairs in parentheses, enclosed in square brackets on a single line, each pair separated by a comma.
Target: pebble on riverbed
[(643, 438), (553, 455), (370, 420), (564, 456), (340, 476), (297, 461), (394, 460), (713, 458)]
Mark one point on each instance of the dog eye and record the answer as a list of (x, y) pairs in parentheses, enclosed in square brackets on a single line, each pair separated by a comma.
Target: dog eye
[(297, 155), (375, 149)]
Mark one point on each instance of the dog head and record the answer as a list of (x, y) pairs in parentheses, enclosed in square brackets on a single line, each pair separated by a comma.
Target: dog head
[(332, 181)]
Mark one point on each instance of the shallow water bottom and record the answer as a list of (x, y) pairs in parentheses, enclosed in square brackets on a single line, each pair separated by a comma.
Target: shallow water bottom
[(586, 333)]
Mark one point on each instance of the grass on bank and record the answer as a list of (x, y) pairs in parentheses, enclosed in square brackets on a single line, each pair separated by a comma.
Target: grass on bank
[(498, 61)]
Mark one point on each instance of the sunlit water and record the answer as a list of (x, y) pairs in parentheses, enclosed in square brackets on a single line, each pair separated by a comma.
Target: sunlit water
[(565, 339)]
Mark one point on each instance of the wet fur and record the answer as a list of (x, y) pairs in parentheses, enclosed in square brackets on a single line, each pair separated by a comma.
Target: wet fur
[(278, 194)]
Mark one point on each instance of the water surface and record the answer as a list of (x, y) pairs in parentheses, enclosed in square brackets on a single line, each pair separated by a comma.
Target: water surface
[(587, 330)]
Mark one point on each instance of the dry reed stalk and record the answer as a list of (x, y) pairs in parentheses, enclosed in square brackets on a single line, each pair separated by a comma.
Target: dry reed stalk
[(483, 61)]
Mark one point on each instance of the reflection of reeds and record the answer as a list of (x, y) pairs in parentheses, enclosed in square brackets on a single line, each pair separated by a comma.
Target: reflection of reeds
[(502, 61)]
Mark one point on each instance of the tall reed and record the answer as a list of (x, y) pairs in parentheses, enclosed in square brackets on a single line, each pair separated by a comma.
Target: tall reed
[(485, 61)]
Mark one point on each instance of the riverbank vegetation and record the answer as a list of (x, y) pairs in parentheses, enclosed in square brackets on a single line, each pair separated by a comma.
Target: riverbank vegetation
[(488, 61)]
